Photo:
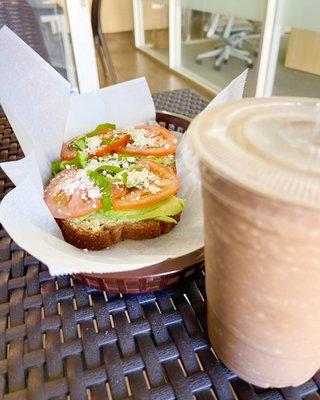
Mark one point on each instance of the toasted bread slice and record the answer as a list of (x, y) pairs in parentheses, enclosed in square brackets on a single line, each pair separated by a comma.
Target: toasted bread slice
[(107, 234)]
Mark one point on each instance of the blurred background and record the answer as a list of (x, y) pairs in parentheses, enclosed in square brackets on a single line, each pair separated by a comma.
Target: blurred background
[(199, 44)]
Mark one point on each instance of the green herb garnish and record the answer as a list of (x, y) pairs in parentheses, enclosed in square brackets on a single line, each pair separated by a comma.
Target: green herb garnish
[(104, 186), (124, 177), (80, 161), (108, 140), (112, 169), (80, 142), (101, 129), (56, 167)]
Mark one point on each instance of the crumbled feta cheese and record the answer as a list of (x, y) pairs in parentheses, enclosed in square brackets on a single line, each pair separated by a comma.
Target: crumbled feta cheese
[(92, 165), (94, 193), (82, 182), (93, 143), (112, 160), (143, 179), (142, 138)]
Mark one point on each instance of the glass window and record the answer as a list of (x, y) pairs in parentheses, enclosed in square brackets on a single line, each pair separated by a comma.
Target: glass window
[(298, 63), (53, 20), (219, 39), (156, 28)]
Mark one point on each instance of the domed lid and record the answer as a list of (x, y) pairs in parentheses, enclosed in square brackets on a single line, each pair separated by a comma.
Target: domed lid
[(268, 145)]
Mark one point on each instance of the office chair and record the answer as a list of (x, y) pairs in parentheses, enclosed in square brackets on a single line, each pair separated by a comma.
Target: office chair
[(233, 36), (100, 40)]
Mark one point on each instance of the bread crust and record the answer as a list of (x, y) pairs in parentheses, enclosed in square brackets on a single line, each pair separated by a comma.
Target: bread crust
[(109, 235)]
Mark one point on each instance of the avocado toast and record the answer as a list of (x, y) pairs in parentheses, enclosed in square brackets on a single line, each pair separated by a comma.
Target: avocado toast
[(115, 184)]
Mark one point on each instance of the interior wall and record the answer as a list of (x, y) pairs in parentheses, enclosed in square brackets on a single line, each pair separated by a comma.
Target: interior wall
[(155, 15), (117, 15)]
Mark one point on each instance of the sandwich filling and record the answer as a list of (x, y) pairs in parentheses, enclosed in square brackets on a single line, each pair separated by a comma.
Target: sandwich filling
[(114, 175)]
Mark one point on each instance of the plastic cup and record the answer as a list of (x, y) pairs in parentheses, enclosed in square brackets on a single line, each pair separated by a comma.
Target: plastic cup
[(260, 172)]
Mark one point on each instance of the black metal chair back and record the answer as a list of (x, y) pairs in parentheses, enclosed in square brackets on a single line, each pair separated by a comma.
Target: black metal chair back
[(18, 15)]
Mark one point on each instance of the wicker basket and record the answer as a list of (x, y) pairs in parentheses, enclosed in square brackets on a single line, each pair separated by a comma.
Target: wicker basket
[(155, 277)]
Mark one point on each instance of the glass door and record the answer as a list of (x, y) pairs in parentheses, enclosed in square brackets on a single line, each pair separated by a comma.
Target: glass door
[(152, 27), (66, 29), (296, 46), (219, 39), (208, 41)]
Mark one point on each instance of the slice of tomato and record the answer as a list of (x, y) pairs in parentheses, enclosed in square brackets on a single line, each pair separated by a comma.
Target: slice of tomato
[(65, 203), (124, 198), (164, 142), (105, 149), (68, 152)]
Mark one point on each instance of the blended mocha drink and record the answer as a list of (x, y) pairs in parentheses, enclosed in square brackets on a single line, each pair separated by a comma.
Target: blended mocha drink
[(260, 169)]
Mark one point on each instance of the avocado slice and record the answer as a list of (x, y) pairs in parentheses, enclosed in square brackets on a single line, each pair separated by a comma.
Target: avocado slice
[(161, 211)]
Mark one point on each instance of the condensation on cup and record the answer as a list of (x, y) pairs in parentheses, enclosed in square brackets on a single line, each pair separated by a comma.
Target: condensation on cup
[(260, 173)]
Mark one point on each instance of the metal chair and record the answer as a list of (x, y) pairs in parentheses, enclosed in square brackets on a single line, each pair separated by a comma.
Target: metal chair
[(100, 40), (18, 15)]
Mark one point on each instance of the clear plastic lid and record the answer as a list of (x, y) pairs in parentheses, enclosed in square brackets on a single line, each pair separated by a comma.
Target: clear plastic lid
[(268, 145)]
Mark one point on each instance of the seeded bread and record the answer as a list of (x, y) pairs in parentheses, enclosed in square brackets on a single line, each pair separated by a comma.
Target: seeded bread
[(108, 234)]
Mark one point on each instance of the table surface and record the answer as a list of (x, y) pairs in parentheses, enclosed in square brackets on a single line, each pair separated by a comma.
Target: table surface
[(61, 340)]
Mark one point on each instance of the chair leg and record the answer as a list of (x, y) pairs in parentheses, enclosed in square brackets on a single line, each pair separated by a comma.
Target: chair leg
[(223, 56), (208, 54), (241, 55)]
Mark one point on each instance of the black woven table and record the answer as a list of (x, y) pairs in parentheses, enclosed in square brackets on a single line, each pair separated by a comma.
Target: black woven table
[(60, 340)]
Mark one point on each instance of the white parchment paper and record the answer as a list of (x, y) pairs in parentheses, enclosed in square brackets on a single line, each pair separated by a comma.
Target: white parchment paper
[(43, 114)]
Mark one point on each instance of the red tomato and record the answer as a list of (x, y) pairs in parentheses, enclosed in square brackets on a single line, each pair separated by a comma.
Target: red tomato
[(68, 152), (68, 195), (161, 142), (124, 198)]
